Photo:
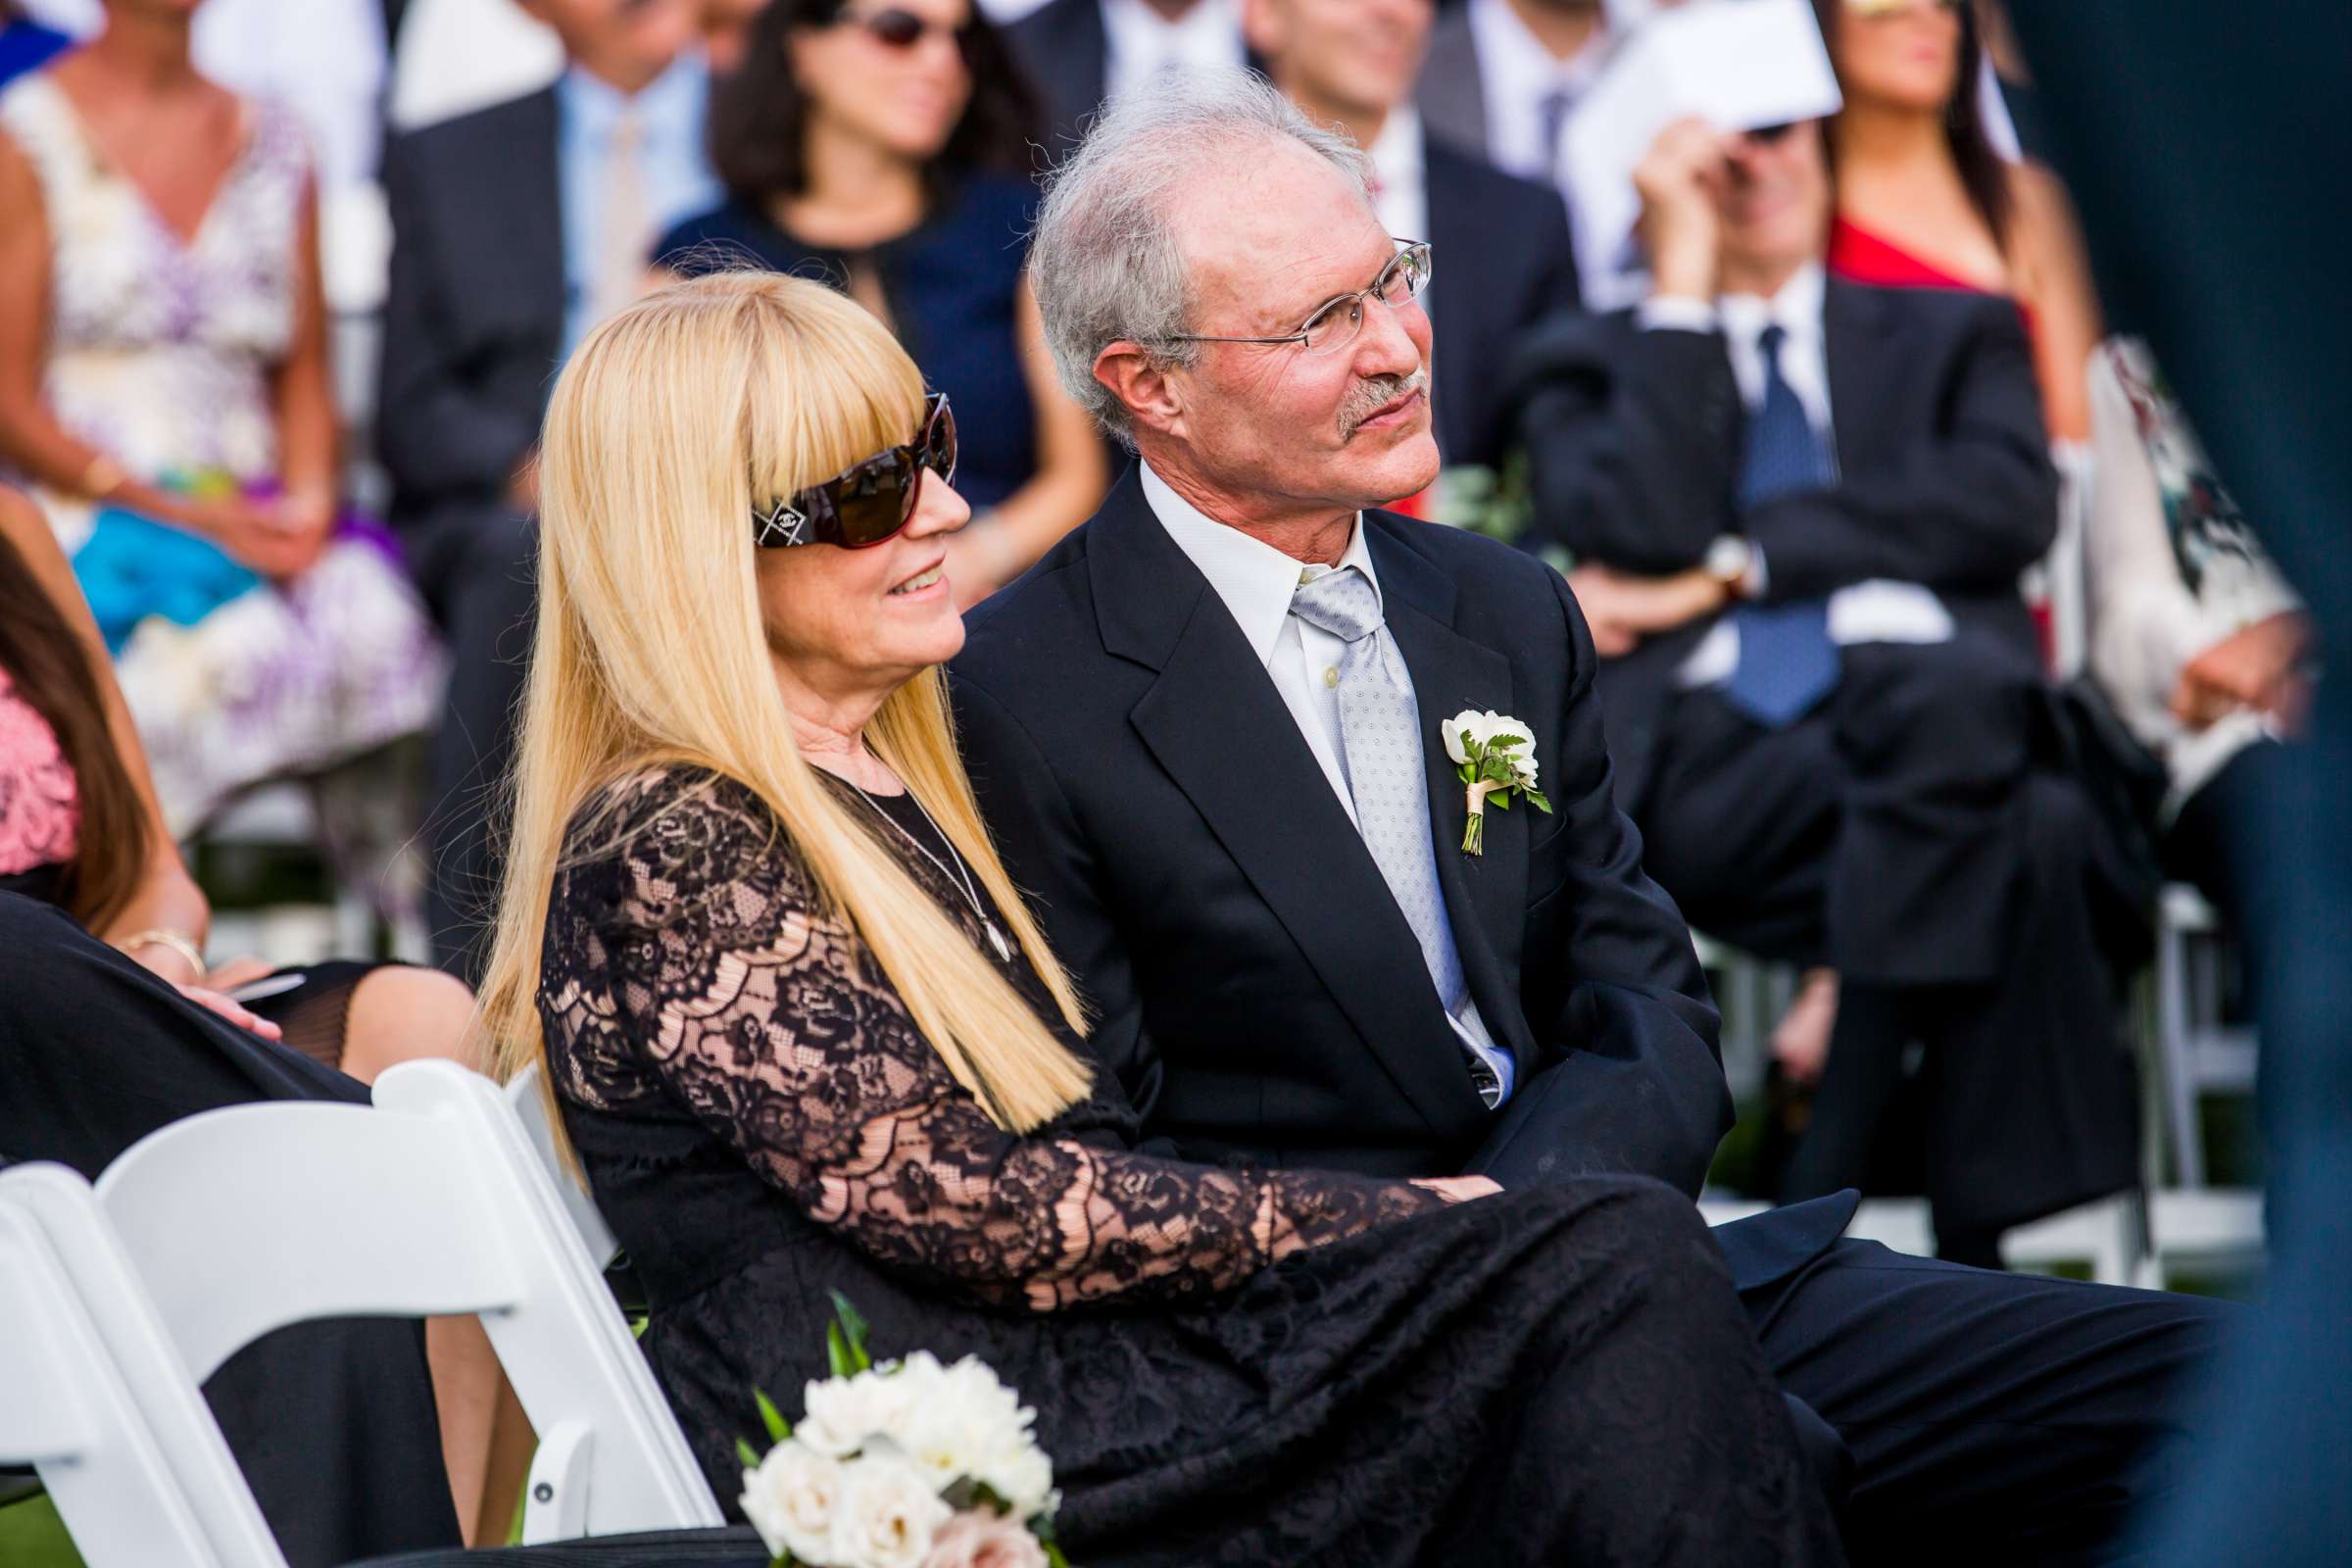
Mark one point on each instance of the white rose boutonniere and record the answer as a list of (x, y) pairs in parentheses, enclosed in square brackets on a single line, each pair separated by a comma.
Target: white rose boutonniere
[(1496, 758)]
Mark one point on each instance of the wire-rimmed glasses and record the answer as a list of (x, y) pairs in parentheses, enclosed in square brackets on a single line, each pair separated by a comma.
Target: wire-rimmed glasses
[(1336, 321)]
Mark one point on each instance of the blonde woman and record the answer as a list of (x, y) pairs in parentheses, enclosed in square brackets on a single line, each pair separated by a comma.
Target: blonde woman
[(804, 1037)]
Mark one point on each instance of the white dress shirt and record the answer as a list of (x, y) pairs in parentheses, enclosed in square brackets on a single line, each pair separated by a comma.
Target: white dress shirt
[(1516, 74), (1142, 43), (1868, 612), (1257, 581)]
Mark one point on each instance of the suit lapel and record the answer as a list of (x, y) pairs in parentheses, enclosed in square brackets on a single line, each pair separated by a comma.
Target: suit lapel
[(1215, 724), (1486, 896), (1857, 341), (530, 205)]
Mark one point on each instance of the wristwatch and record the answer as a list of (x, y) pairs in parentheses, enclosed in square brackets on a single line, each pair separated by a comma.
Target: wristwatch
[(1730, 560)]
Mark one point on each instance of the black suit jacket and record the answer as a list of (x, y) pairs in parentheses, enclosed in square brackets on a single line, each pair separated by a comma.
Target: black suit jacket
[(473, 319), (1503, 263), (1256, 987), (1944, 478)]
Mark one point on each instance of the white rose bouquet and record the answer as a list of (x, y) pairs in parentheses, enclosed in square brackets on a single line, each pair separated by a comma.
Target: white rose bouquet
[(903, 1464), (1496, 756)]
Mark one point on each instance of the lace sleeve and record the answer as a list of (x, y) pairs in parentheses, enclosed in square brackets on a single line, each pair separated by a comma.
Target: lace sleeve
[(766, 1015)]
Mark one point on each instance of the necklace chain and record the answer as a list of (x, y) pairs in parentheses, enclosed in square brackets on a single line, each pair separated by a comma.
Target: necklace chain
[(957, 875)]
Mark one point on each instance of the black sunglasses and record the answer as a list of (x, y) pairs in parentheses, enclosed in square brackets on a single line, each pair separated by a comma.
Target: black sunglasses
[(867, 502), (897, 28)]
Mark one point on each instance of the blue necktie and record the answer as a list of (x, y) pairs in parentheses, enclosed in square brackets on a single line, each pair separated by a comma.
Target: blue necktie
[(1787, 661)]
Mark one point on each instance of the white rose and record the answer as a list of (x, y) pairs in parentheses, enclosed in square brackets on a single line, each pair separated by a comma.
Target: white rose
[(1481, 728), (790, 1499), (978, 1538), (1023, 1477), (887, 1515), (843, 1413)]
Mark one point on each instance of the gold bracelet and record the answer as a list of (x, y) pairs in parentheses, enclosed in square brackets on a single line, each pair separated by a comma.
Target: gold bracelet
[(178, 942), (103, 477)]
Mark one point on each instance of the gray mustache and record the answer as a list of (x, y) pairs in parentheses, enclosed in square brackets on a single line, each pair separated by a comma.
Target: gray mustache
[(1369, 396)]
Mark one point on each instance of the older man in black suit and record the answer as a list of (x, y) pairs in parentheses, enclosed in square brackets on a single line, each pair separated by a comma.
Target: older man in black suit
[(1205, 733), (1504, 242), (513, 227)]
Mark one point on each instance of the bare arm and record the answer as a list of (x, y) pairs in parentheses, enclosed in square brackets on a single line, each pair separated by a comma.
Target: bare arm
[(1072, 472), (2053, 277)]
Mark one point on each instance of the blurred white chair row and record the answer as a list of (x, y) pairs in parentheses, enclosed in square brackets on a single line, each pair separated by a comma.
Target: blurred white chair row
[(118, 1299)]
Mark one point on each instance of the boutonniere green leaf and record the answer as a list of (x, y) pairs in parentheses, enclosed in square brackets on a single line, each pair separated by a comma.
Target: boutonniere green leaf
[(1494, 756)]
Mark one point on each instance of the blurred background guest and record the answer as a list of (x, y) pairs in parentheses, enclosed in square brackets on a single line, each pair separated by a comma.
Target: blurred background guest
[(165, 387), (2195, 636), (453, 57), (1081, 53), (1501, 248), (726, 31), (514, 227), (1924, 199), (1800, 507), (1503, 78), (883, 145)]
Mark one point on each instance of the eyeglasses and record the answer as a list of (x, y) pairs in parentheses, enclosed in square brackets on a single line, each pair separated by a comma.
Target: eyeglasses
[(1336, 321), (1768, 135), (896, 28), (867, 502)]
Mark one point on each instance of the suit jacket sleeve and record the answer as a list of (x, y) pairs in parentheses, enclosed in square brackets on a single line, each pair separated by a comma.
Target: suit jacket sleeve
[(1965, 506), (1632, 440), (1635, 1033), (1053, 864), (438, 436)]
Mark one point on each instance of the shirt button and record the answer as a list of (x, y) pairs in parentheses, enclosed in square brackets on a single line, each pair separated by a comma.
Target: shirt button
[(1331, 675)]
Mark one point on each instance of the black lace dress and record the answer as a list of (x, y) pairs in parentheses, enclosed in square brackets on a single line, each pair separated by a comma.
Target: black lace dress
[(1555, 1376)]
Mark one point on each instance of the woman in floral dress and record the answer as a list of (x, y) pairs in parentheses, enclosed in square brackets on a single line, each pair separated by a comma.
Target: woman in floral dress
[(164, 392)]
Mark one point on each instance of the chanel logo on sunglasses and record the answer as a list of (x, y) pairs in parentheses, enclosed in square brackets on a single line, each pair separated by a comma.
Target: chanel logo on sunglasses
[(781, 526)]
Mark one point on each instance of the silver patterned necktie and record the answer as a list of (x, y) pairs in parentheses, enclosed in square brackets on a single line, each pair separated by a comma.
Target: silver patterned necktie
[(1380, 739)]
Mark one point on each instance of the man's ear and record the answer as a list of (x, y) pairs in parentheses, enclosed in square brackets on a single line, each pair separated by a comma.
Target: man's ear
[(1142, 385)]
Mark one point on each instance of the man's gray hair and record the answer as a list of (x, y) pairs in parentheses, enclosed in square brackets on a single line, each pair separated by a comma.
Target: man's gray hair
[(1106, 262)]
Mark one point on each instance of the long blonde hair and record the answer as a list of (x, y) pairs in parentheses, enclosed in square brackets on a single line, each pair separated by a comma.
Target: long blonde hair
[(673, 418)]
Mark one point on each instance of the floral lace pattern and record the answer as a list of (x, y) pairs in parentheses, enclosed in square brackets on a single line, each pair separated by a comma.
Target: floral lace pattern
[(40, 808), (699, 950)]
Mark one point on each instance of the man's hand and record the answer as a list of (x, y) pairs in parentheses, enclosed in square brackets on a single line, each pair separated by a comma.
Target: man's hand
[(2258, 668), (1623, 609), (1681, 179)]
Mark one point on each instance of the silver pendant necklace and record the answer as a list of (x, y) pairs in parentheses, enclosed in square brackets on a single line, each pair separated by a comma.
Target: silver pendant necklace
[(958, 876)]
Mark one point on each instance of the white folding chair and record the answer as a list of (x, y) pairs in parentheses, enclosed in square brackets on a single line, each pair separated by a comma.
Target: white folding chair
[(527, 1096), (130, 1496), (431, 1202)]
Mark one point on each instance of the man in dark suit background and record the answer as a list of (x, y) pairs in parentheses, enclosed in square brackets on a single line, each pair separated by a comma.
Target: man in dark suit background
[(1800, 509), (1080, 54), (514, 227), (1501, 243), (1204, 732)]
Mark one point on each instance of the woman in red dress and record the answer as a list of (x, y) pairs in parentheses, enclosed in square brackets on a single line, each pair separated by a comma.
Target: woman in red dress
[(1924, 200)]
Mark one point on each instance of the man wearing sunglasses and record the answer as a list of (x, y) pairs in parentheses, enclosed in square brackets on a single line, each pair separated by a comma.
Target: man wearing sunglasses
[(1204, 730)]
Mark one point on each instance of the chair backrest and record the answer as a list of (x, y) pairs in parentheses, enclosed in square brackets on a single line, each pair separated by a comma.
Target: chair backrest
[(125, 1443), (432, 1201), (528, 1096)]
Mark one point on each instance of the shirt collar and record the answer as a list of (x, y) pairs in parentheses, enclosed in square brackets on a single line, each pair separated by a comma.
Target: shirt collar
[(1209, 30), (1518, 67), (1396, 153), (592, 106), (1255, 580), (1795, 308)]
